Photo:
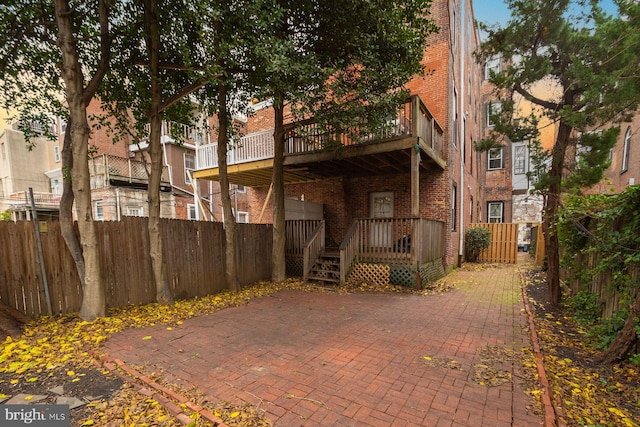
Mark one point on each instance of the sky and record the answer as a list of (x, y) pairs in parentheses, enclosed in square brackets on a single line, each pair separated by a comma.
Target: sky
[(496, 11)]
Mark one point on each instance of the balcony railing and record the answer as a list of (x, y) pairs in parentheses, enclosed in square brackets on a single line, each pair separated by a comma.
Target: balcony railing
[(39, 198), (250, 148), (413, 119), (171, 131), (105, 168)]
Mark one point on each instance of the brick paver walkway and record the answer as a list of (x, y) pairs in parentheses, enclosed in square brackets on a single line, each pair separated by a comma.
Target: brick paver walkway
[(310, 359)]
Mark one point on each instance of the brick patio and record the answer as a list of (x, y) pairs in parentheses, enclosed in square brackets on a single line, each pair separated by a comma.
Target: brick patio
[(317, 359)]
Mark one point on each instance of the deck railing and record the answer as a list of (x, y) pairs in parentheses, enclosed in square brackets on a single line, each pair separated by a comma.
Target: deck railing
[(349, 251), (250, 148), (106, 167), (39, 198), (312, 249), (413, 119), (399, 240), (296, 233)]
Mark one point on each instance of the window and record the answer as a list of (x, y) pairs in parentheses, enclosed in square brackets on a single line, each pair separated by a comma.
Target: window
[(1, 188), (492, 109), (135, 211), (454, 131), (56, 153), (4, 152), (625, 150), (241, 189), (189, 166), (242, 217), (191, 212), (495, 212), (98, 210), (471, 209), (63, 126), (495, 158), (55, 186), (454, 207), (519, 160), (492, 66)]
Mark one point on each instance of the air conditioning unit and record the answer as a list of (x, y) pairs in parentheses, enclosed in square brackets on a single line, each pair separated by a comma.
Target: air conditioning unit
[(632, 181)]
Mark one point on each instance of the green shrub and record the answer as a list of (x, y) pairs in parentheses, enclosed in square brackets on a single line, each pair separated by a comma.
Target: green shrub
[(476, 239), (604, 333), (586, 307)]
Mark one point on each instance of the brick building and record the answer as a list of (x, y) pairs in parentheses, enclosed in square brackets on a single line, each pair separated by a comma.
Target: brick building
[(441, 182)]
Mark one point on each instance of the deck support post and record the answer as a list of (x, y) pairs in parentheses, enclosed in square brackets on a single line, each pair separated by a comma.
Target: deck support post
[(415, 181)]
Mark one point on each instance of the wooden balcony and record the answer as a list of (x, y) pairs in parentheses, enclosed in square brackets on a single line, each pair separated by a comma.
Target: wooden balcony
[(108, 170), (312, 153)]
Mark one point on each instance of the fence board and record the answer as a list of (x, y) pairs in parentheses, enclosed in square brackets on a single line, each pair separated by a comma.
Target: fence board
[(504, 243), (194, 262)]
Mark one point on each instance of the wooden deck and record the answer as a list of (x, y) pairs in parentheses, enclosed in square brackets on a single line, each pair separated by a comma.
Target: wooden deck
[(312, 153)]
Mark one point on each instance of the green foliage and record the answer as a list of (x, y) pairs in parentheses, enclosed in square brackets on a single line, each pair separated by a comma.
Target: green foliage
[(585, 307), (5, 216), (604, 228), (603, 334), (476, 239)]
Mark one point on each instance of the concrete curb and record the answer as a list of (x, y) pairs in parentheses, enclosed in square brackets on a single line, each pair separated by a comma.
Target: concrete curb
[(550, 412), (147, 387)]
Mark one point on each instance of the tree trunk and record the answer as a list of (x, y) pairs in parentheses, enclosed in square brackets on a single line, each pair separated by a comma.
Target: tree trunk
[(551, 212), (231, 273), (93, 295), (626, 339), (66, 206), (278, 265), (152, 34)]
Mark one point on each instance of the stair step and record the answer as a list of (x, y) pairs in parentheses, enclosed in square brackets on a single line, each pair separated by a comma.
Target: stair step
[(324, 279), (325, 273)]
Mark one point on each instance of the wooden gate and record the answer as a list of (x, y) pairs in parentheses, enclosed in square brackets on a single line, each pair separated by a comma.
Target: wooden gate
[(504, 243)]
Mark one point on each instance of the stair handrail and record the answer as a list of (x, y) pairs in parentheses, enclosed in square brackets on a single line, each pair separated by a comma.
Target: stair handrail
[(312, 249), (349, 251)]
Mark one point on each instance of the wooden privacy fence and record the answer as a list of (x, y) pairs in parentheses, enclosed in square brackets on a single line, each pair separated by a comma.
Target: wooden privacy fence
[(504, 243), (193, 251)]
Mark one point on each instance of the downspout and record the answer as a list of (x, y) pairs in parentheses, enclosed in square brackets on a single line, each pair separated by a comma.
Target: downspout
[(118, 203), (461, 127)]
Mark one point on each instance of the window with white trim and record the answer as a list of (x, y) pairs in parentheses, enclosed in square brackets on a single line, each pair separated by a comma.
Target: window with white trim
[(495, 212), (520, 160), (135, 211), (454, 131), (189, 166), (494, 161), (242, 217), (626, 149), (241, 189), (191, 211), (55, 186), (56, 153), (98, 210), (493, 65)]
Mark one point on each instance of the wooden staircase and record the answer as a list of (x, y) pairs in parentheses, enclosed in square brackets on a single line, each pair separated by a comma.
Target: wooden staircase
[(327, 268)]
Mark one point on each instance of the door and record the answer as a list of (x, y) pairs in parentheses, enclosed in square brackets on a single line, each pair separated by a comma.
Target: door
[(380, 207)]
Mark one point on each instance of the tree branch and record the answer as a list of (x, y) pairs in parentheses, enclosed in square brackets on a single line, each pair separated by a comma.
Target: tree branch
[(105, 53), (534, 99)]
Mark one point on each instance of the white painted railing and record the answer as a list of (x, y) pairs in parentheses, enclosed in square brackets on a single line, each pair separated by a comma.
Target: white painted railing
[(250, 148)]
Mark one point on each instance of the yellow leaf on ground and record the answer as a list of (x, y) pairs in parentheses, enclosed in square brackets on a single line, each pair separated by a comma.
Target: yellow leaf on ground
[(28, 397), (148, 337), (87, 423), (70, 373), (32, 380), (14, 381), (234, 414)]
